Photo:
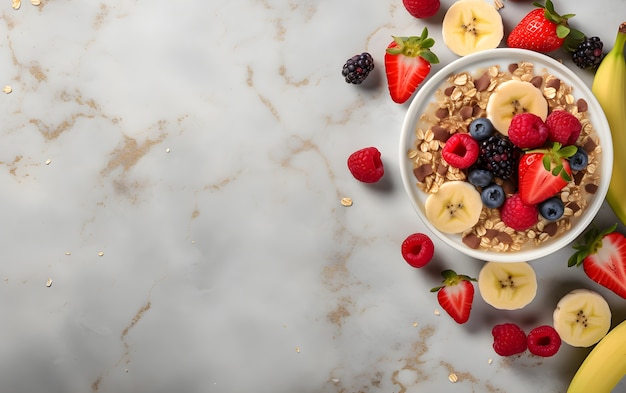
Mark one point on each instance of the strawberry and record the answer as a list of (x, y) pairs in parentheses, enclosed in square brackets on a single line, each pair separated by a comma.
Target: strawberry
[(407, 63), (541, 30), (603, 257), (422, 8), (542, 173), (456, 295)]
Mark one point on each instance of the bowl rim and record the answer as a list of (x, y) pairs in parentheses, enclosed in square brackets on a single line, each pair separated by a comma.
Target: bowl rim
[(503, 56)]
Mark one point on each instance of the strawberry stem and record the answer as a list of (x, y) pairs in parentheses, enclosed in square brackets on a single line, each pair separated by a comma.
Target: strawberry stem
[(450, 278), (415, 46)]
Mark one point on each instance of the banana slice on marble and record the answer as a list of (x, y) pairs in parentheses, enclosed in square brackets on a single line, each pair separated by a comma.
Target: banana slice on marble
[(470, 26), (454, 208), (507, 286), (582, 317), (513, 97)]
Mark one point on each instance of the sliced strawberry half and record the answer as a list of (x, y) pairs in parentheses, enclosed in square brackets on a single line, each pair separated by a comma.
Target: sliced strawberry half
[(407, 63), (542, 173), (456, 295), (603, 257)]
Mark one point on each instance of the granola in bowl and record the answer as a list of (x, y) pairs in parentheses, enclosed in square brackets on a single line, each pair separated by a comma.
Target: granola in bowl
[(456, 96)]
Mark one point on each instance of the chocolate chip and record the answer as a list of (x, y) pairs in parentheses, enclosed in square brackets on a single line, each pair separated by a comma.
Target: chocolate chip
[(574, 206), (482, 83), (589, 145), (536, 81), (471, 240), (442, 113), (513, 67), (504, 237), (509, 187), (554, 82), (578, 177), (442, 169), (477, 111), (591, 188), (491, 234), (551, 228), (440, 133), (582, 105), (422, 171), (466, 112)]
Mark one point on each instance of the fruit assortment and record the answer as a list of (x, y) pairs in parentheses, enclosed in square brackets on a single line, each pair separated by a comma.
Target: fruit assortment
[(518, 137)]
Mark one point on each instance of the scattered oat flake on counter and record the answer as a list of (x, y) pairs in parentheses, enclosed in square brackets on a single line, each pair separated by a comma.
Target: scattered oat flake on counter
[(48, 161), (453, 378), (7, 89), (35, 2), (49, 283), (100, 254), (437, 312), (498, 4), (346, 201), (298, 349), (16, 4)]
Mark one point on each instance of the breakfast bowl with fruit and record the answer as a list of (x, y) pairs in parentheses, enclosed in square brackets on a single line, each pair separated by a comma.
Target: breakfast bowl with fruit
[(506, 155)]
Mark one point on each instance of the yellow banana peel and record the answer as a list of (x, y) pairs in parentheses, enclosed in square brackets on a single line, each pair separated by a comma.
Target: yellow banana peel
[(605, 365), (609, 87)]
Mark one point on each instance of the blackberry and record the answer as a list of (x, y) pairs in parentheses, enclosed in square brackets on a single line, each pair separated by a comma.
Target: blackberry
[(357, 68), (499, 156), (588, 54)]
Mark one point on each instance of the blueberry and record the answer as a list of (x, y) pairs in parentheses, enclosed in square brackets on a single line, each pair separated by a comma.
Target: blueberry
[(492, 196), (552, 209), (579, 160), (480, 177), (481, 128)]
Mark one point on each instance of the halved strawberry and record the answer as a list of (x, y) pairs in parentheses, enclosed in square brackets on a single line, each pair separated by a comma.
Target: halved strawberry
[(542, 173), (603, 256), (456, 295), (407, 63)]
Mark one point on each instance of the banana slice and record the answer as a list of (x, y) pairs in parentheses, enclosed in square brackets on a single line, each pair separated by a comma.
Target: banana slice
[(513, 97), (507, 286), (582, 318), (455, 207), (470, 26)]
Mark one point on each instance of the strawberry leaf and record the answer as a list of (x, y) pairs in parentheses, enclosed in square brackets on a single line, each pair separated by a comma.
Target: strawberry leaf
[(562, 31), (590, 243), (430, 57)]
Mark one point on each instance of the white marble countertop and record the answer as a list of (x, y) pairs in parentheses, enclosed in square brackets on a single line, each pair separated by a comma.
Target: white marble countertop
[(171, 175)]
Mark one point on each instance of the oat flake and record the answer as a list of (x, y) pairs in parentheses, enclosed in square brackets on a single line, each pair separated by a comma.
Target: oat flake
[(49, 283), (7, 89), (346, 201), (100, 254), (35, 2), (16, 4), (453, 378)]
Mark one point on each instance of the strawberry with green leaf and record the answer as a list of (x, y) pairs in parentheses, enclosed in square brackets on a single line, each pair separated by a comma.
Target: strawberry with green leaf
[(407, 64), (544, 172), (541, 30), (603, 257), (456, 295)]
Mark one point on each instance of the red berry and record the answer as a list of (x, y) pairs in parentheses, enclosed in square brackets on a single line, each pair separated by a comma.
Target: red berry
[(527, 130), (543, 341), (460, 151), (418, 249), (366, 165), (563, 127), (508, 339), (515, 214), (422, 8)]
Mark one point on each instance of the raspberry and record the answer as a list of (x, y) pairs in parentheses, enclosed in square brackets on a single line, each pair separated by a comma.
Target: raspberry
[(527, 131), (563, 127), (418, 249), (366, 165), (460, 151), (543, 341), (508, 339), (515, 214), (357, 68)]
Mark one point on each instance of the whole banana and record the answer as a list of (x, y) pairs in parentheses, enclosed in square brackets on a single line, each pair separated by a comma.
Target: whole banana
[(605, 365), (609, 87)]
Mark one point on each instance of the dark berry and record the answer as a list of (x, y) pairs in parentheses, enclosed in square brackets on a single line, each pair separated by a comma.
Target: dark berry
[(417, 249), (499, 156), (552, 209), (357, 68), (589, 53), (579, 160), (543, 341), (481, 128), (480, 177), (493, 196)]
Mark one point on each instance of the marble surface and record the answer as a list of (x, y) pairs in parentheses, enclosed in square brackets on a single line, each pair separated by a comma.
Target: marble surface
[(171, 175)]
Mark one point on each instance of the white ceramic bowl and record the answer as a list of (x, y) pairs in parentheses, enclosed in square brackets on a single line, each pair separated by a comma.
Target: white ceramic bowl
[(481, 61)]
